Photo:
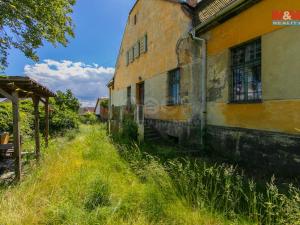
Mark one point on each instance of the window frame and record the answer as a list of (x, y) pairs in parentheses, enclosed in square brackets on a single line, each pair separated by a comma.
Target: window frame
[(135, 19), (256, 63), (174, 100), (129, 95)]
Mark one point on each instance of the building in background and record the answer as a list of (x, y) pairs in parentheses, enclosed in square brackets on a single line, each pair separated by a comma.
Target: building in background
[(85, 110), (101, 108), (157, 70)]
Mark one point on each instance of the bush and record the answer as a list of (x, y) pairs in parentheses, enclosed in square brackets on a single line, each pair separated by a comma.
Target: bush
[(88, 118), (64, 112), (26, 118), (63, 120), (6, 117), (63, 115), (130, 129), (104, 103)]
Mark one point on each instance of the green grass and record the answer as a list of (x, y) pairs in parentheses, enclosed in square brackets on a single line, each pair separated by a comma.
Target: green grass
[(86, 178), (85, 181)]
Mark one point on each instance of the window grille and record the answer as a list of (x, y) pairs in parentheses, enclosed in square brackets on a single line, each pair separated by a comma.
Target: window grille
[(246, 72)]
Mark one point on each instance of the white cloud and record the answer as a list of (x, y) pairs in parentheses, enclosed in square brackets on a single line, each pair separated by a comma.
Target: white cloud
[(88, 82)]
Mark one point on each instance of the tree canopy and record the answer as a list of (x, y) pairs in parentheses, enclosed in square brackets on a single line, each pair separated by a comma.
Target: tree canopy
[(26, 24), (67, 100)]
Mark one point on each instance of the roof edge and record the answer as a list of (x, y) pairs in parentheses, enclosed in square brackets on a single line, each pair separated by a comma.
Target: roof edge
[(223, 15)]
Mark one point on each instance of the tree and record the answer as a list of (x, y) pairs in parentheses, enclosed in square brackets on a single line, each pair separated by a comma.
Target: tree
[(104, 103), (25, 24), (67, 100)]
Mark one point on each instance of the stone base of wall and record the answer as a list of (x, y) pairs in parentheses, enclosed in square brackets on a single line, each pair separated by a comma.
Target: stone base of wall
[(187, 133), (271, 152)]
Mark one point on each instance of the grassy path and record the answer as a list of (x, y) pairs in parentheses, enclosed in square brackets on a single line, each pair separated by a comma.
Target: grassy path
[(85, 181)]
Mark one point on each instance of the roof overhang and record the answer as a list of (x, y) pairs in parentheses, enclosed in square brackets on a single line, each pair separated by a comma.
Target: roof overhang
[(110, 83), (224, 14)]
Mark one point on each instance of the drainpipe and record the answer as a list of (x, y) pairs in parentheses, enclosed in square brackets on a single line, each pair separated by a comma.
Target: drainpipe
[(203, 76)]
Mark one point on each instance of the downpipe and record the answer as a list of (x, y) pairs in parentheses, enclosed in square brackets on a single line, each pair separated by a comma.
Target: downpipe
[(203, 78)]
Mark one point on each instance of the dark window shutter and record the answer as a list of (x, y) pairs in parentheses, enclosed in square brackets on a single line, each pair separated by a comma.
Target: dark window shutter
[(130, 55), (146, 43), (127, 58), (137, 50)]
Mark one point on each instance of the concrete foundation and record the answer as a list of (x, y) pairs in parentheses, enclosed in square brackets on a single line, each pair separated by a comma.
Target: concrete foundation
[(272, 152)]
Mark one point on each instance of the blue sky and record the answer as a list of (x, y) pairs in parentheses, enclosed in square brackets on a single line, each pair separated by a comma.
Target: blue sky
[(88, 62)]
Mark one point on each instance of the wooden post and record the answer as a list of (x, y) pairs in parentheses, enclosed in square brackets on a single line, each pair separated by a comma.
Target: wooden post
[(36, 101), (46, 122), (16, 131)]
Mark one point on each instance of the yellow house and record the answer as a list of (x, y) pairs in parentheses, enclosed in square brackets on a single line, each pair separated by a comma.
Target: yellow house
[(225, 67), (158, 67)]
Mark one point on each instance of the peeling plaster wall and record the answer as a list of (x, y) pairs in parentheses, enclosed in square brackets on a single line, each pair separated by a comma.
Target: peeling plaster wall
[(169, 47), (280, 108), (249, 24), (280, 64), (265, 134), (164, 23), (118, 98)]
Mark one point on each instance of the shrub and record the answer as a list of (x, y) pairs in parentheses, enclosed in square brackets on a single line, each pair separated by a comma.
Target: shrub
[(88, 118), (5, 117), (26, 118), (62, 120), (130, 129), (63, 115), (104, 103)]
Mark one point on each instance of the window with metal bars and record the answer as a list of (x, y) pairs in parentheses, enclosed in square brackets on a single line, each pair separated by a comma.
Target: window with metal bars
[(174, 87), (246, 72)]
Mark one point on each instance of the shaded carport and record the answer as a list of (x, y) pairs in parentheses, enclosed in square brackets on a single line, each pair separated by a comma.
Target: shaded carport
[(14, 88)]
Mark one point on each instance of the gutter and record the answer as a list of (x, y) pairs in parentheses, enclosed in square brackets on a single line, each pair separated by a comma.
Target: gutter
[(238, 5), (203, 90)]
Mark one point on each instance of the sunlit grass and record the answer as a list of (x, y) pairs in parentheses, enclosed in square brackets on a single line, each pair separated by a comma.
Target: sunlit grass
[(85, 181), (86, 178)]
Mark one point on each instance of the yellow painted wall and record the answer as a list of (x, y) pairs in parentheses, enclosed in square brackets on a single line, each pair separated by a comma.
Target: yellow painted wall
[(280, 109), (249, 24), (168, 113), (164, 22), (276, 115)]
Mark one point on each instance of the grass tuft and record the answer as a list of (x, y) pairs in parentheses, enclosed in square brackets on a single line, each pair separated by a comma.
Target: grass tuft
[(98, 196)]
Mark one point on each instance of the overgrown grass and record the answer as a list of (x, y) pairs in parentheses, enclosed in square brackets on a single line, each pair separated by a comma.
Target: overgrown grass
[(85, 181), (92, 180), (220, 189)]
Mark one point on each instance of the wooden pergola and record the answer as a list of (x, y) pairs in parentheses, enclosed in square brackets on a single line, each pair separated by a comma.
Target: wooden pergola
[(14, 88)]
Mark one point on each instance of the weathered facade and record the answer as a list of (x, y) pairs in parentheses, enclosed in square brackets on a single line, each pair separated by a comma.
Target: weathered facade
[(252, 80), (161, 29), (262, 129)]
